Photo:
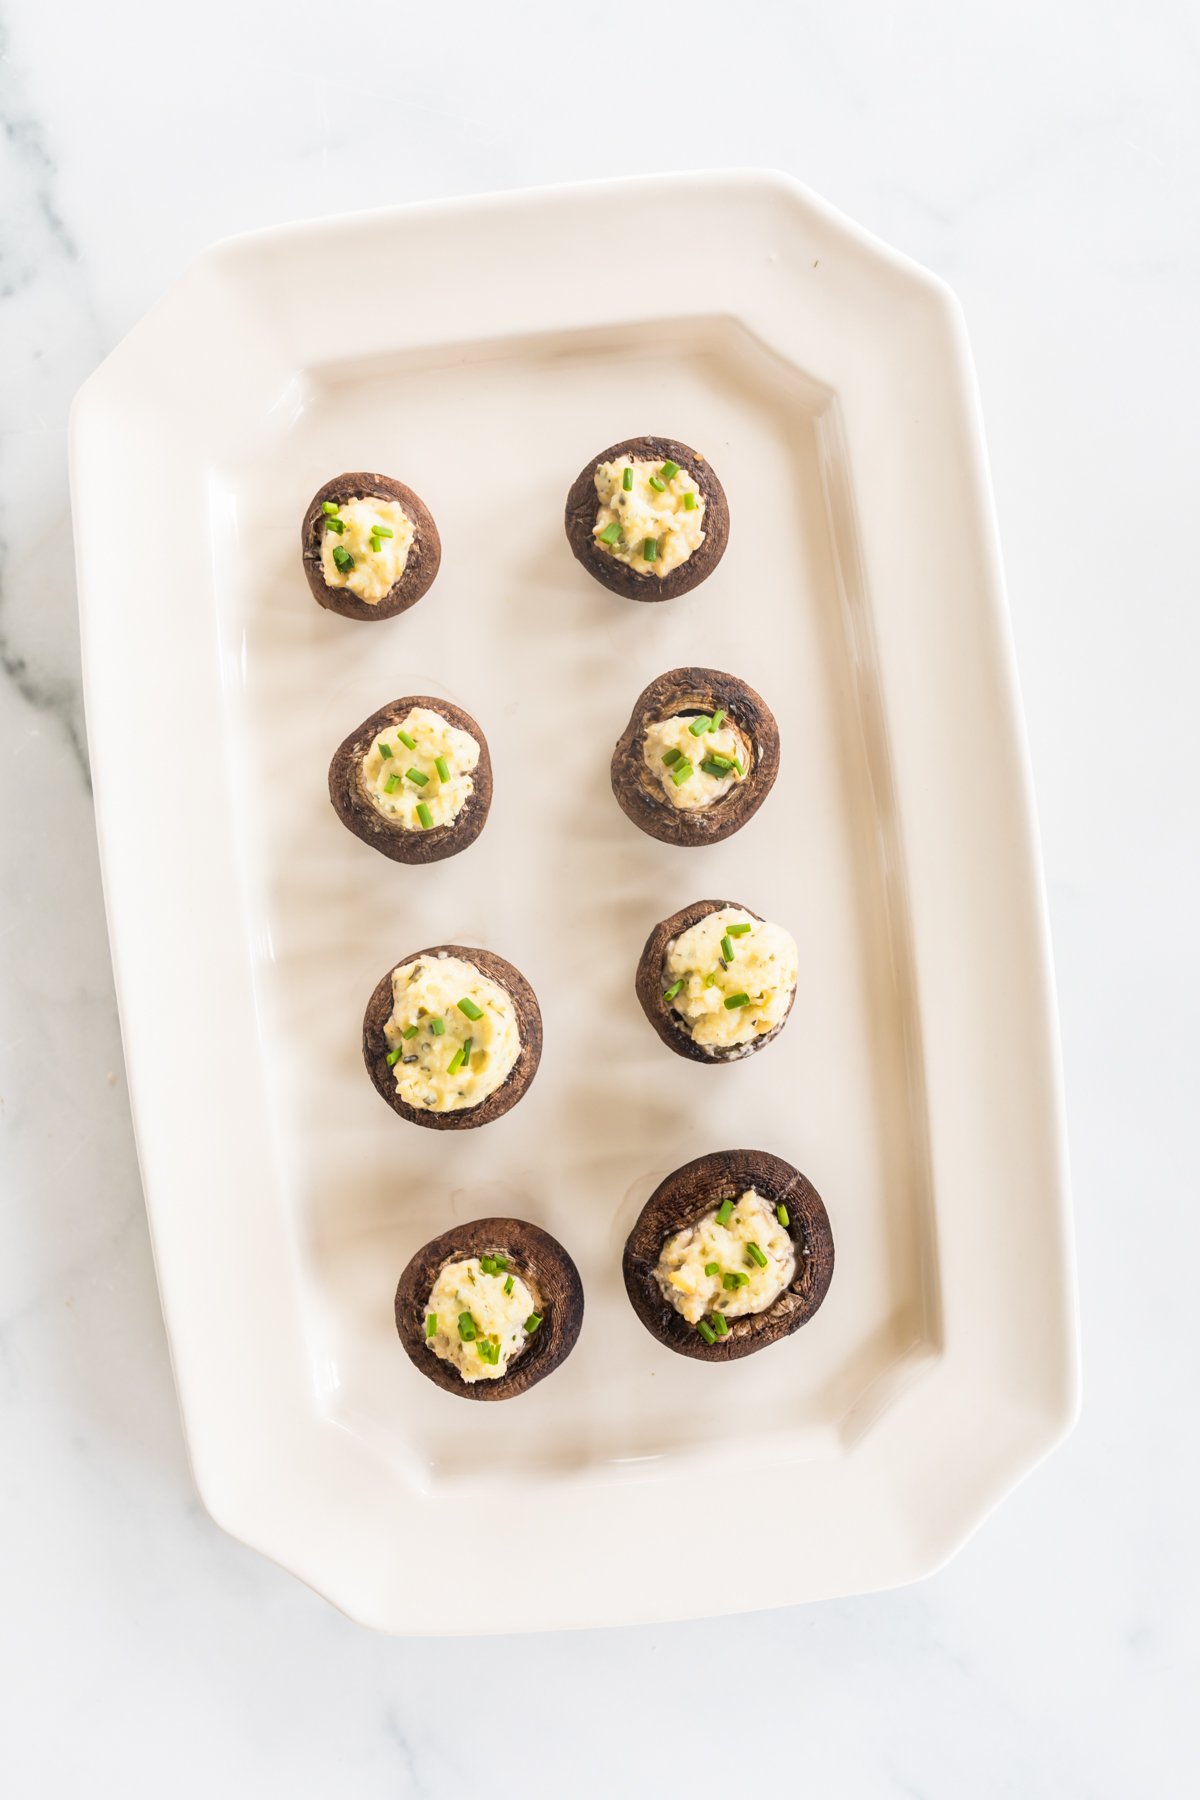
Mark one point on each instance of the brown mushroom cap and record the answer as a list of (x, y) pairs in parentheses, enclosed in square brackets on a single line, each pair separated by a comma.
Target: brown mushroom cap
[(662, 1015), (529, 1029), (581, 518), (424, 555), (356, 812), (682, 1199), (545, 1268), (638, 789)]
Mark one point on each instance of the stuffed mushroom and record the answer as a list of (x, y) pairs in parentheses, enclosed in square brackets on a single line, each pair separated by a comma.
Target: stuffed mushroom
[(716, 981), (648, 518), (370, 546), (698, 757), (414, 780), (490, 1308), (730, 1253), (452, 1037)]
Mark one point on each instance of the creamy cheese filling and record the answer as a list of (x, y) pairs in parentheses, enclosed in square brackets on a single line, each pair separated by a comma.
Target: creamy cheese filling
[(730, 999), (368, 554), (682, 760), (431, 770), (652, 528), (712, 1266), (477, 1318), (453, 1034)]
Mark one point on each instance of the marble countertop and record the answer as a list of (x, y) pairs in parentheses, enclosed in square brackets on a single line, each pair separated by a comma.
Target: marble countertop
[(1046, 162)]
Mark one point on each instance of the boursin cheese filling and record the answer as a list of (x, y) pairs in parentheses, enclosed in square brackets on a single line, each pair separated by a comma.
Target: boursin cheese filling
[(730, 978), (695, 758), (365, 546), (452, 1036), (650, 514), (418, 774), (479, 1315), (737, 1259)]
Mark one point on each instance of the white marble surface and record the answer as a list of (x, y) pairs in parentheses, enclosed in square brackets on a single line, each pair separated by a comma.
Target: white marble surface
[(1046, 161)]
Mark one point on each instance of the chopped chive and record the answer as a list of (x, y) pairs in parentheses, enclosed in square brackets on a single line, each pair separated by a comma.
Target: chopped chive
[(627, 478), (712, 1268), (437, 1026), (670, 757), (410, 743), (469, 1007), (442, 767), (468, 1330), (338, 525), (456, 1062), (660, 487), (501, 1263), (385, 750), (650, 550), (508, 1285), (376, 546), (382, 531), (690, 502), (718, 719), (724, 1211), (723, 763), (720, 1324), (391, 784), (486, 1264), (681, 770), (710, 980), (669, 470), (699, 725), (673, 990), (329, 508), (782, 1214), (410, 1032), (736, 1000), (468, 1046), (757, 1255), (611, 534), (727, 948), (342, 559), (489, 1350), (740, 930), (716, 766), (425, 816), (706, 1332), (532, 1323), (736, 1278), (416, 775), (737, 763), (430, 1325), (393, 1057)]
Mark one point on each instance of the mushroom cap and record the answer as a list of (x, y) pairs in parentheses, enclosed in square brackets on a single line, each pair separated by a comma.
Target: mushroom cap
[(424, 556), (662, 1015), (610, 570), (359, 816)]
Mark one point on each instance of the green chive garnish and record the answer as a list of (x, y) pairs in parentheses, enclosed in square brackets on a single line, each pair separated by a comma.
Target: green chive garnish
[(724, 1211), (338, 525), (689, 501), (376, 546), (342, 559), (727, 948), (472, 1011), (717, 719), (391, 784), (485, 1263), (671, 757), (382, 531), (611, 534), (740, 930), (627, 478), (456, 1062), (673, 990), (411, 1032), (501, 1263), (385, 750), (416, 775), (650, 550), (669, 470), (712, 1268), (736, 1000), (782, 1214), (681, 770), (532, 1323), (737, 763), (723, 762), (425, 816), (430, 1325), (660, 487), (736, 1278), (468, 1330), (710, 980), (437, 1026), (393, 1057), (706, 1332), (756, 1255), (716, 765), (699, 725), (329, 508), (720, 1324), (468, 1046), (442, 767), (410, 743), (508, 1285)]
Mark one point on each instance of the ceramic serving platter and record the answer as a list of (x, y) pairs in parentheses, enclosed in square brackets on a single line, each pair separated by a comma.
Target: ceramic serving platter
[(482, 351)]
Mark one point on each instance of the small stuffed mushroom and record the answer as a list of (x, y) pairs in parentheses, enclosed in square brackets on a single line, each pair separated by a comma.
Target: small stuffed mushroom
[(452, 1037), (698, 757), (648, 518), (716, 981), (730, 1253), (414, 780), (488, 1309), (370, 546)]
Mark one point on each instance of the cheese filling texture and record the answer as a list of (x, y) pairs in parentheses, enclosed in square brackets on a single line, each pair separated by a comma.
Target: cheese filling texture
[(757, 982), (369, 553), (682, 761), (709, 1267), (669, 520), (398, 780), (476, 1317), (453, 1033)]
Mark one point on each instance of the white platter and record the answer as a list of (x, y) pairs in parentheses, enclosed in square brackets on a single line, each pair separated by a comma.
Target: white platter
[(482, 351)]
